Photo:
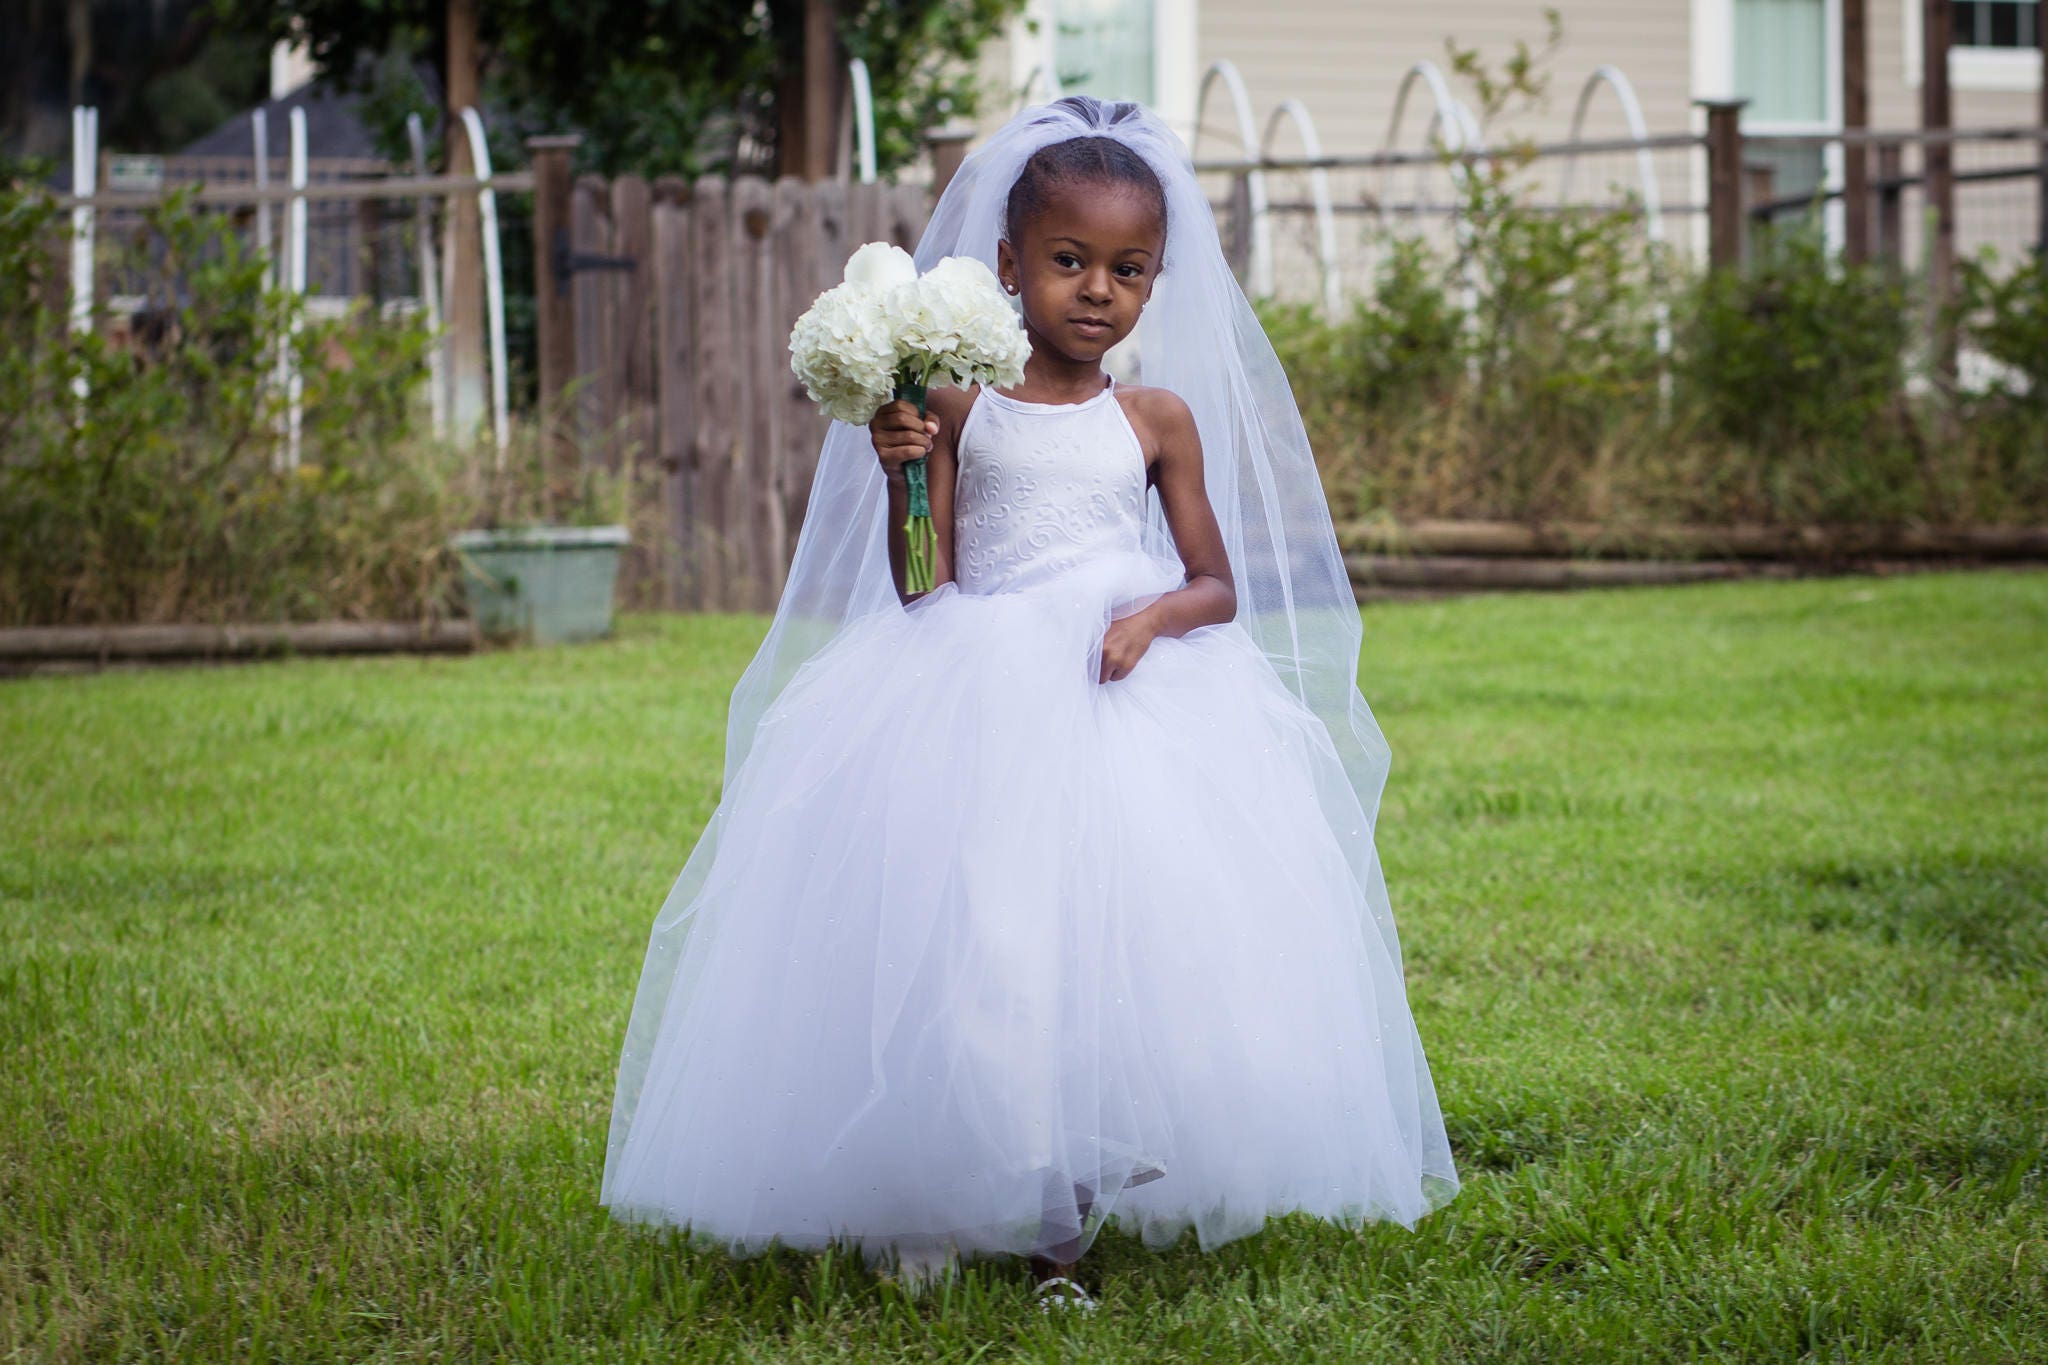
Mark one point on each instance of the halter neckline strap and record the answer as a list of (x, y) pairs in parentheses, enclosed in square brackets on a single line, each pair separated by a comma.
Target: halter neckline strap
[(1022, 405)]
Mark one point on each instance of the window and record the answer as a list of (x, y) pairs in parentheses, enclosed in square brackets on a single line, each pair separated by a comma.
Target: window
[(1993, 44), (1781, 64), (1105, 48), (1997, 23), (1782, 68)]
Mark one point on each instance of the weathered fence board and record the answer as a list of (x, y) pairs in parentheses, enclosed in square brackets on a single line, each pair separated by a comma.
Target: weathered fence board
[(590, 238), (670, 247), (714, 384), (825, 246), (684, 297), (755, 501), (630, 449)]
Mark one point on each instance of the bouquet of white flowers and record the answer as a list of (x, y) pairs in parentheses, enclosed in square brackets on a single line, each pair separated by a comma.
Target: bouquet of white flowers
[(887, 332)]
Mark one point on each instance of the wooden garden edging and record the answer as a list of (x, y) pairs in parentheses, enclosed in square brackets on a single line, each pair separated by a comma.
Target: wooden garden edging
[(35, 649), (1434, 558), (1494, 539)]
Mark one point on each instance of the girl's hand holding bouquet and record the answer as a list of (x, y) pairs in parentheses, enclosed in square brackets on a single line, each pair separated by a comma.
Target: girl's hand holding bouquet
[(886, 332)]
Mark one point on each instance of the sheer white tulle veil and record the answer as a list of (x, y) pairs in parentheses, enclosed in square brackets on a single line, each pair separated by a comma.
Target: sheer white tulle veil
[(1199, 338)]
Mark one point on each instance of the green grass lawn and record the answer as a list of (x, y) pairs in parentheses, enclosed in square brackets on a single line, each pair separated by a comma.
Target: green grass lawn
[(1726, 920)]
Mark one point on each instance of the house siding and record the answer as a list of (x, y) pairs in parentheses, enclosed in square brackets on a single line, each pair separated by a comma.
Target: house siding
[(1345, 60)]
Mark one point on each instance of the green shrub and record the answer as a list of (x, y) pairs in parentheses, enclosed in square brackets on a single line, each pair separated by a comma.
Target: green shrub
[(1480, 381), (1519, 371), (158, 496), (1519, 377), (2005, 322), (1795, 365)]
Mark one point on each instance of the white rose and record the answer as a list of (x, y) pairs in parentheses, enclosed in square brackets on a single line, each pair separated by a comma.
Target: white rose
[(879, 266)]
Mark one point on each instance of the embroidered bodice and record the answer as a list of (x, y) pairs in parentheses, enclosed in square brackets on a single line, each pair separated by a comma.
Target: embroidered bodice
[(1043, 487)]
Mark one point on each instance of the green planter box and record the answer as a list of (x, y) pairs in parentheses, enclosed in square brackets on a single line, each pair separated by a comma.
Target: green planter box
[(547, 585)]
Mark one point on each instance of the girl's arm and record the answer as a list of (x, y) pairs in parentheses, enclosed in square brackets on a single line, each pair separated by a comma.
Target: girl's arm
[(900, 437), (1210, 595)]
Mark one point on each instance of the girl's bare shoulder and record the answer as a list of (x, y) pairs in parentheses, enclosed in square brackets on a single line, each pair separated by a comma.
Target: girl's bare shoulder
[(1160, 416), (949, 405)]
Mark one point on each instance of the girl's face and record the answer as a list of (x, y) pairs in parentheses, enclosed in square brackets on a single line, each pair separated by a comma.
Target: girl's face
[(1083, 266)]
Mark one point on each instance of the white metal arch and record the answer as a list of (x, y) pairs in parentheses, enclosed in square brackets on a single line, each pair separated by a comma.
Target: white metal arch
[(259, 139), (266, 240), (1451, 121), (430, 280), (1615, 79), (494, 279), (1260, 268), (295, 281), (861, 92), (1459, 132), (85, 184), (1318, 192)]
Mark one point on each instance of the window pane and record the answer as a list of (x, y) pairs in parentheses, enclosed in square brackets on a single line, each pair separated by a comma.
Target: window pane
[(1104, 47), (1796, 171), (2004, 26), (1781, 59), (1996, 23)]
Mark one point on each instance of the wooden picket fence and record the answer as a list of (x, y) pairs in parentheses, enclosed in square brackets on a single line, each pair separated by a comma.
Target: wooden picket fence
[(682, 295)]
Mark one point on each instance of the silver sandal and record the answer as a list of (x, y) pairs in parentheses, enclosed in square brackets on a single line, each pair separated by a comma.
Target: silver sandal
[(1062, 1293)]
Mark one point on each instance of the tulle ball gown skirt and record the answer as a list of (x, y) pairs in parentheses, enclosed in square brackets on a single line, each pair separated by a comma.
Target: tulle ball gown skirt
[(989, 953)]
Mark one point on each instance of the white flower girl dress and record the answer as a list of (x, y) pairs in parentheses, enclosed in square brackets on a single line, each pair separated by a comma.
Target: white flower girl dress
[(992, 950), (977, 952)]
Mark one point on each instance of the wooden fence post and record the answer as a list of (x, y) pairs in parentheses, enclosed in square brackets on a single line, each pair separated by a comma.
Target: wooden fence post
[(2041, 117), (832, 223), (1891, 200), (908, 208), (1724, 182), (948, 148), (801, 271), (1237, 244), (554, 324), (715, 380), (1759, 187), (1855, 119), (590, 295), (682, 588), (754, 512), (631, 449), (1937, 165)]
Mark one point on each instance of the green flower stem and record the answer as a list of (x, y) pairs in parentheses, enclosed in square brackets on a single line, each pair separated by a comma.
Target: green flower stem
[(920, 541)]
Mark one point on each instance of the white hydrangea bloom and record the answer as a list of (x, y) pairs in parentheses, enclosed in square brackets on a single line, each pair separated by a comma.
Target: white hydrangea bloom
[(957, 317), (885, 325), (845, 353), (880, 266)]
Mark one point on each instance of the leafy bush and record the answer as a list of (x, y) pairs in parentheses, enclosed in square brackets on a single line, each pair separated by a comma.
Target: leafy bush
[(1516, 372), (1796, 367), (158, 495), (1518, 376), (2005, 322), (1479, 381)]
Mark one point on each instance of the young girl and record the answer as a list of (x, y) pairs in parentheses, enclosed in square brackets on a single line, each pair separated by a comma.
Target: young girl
[(1048, 896)]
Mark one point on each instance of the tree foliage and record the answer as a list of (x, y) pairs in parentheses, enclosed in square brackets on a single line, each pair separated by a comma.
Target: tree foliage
[(661, 86), (161, 72)]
